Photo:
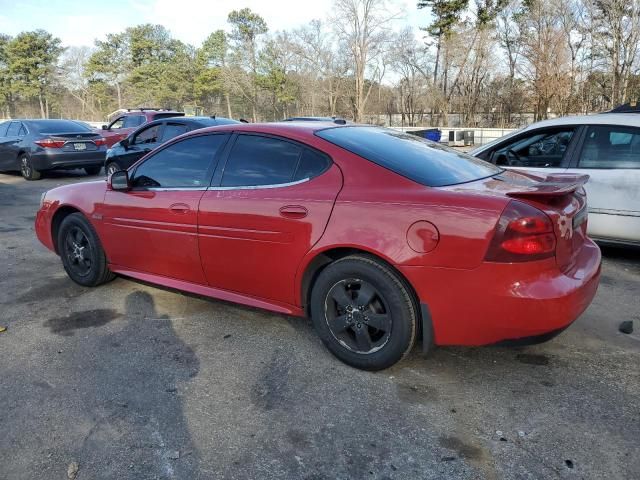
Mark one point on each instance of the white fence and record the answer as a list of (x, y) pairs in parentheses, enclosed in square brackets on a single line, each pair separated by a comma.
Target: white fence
[(464, 136)]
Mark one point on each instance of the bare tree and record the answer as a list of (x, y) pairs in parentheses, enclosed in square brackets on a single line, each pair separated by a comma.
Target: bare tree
[(363, 27)]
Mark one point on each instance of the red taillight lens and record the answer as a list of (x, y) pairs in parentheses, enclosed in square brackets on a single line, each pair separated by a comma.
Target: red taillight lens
[(50, 143), (100, 142), (523, 233)]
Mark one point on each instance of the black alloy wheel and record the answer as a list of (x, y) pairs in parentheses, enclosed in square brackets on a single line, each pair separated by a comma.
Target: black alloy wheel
[(364, 312), (357, 316)]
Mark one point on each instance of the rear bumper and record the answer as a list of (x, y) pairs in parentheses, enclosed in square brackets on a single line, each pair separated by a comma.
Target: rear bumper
[(505, 302), (50, 159)]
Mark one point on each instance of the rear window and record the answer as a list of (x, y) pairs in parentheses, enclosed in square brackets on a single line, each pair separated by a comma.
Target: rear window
[(420, 160), (58, 126)]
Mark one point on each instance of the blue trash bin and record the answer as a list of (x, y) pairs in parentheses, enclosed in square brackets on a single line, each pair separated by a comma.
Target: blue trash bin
[(433, 134)]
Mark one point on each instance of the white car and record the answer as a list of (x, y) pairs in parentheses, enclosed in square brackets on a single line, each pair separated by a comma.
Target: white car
[(604, 146)]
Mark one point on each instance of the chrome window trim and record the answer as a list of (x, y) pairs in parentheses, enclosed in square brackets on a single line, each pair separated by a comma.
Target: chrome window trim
[(170, 189), (256, 187)]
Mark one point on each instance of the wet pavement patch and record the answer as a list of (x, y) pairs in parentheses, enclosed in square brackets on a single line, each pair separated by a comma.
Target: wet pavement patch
[(464, 449), (532, 359), (90, 318)]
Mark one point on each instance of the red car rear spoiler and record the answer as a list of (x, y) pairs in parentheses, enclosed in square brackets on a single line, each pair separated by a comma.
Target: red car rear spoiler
[(554, 185)]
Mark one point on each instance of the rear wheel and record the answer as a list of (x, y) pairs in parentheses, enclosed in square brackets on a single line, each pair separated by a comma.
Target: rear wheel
[(92, 170), (363, 313), (112, 168), (81, 252), (26, 168)]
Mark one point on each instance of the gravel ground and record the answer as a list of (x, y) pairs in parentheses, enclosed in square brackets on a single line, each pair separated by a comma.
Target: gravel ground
[(131, 381)]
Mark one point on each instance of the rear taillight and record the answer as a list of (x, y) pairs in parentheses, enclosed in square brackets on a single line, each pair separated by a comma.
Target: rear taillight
[(50, 143), (100, 142), (523, 233)]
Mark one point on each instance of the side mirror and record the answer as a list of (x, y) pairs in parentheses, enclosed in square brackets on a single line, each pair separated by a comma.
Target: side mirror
[(105, 127), (119, 181), (125, 143)]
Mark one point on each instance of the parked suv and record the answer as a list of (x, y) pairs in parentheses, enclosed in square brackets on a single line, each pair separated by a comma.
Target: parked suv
[(126, 123)]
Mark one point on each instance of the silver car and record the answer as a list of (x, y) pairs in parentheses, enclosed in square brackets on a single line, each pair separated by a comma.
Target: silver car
[(604, 146)]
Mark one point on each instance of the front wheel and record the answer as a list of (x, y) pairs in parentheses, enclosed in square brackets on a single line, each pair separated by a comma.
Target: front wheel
[(112, 168), (363, 312), (92, 170), (27, 170), (81, 252)]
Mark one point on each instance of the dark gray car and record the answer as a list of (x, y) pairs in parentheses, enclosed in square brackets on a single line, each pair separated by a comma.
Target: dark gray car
[(34, 146)]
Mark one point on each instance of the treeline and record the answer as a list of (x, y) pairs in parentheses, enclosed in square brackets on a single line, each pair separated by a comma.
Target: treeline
[(492, 62)]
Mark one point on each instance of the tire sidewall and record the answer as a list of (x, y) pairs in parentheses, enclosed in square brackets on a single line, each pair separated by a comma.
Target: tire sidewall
[(97, 257), (34, 174), (402, 311)]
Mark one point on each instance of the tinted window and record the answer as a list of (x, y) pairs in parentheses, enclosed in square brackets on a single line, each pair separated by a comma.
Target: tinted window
[(3, 129), (148, 135), (413, 157), (256, 160), (133, 121), (58, 126), (22, 132), (14, 129), (183, 164), (610, 147), (311, 164), (172, 130), (541, 149)]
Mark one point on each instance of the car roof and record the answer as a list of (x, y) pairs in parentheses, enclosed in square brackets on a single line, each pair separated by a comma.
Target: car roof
[(625, 119), (283, 128)]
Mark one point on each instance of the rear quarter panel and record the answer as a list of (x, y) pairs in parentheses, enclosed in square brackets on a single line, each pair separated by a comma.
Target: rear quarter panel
[(376, 207)]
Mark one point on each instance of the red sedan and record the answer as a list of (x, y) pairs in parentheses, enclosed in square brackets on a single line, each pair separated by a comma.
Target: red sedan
[(381, 237)]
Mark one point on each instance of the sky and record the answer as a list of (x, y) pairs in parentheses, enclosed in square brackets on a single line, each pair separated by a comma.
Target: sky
[(79, 23)]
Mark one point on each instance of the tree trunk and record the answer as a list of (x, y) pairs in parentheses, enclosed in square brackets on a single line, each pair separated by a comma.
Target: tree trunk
[(226, 97), (42, 114)]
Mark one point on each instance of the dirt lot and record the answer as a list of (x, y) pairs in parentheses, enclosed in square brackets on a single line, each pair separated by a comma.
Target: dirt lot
[(136, 382)]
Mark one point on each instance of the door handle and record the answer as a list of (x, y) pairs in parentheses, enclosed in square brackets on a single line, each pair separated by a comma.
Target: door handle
[(293, 211), (179, 208)]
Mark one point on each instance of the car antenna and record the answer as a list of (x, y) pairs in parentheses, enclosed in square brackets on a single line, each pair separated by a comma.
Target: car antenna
[(242, 120), (339, 121)]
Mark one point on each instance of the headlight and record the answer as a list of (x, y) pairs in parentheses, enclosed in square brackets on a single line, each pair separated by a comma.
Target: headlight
[(42, 197)]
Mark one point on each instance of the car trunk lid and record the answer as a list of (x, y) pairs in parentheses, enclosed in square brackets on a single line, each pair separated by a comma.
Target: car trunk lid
[(560, 196)]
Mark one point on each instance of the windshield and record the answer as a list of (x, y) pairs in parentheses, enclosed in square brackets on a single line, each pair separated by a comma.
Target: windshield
[(59, 126), (420, 160)]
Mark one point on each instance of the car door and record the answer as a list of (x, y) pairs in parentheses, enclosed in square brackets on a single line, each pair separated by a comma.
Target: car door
[(10, 146), (544, 149), (610, 155), (152, 227), (5, 162), (269, 205), (141, 143)]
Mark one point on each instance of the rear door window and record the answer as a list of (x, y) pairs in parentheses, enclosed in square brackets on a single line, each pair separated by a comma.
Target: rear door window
[(134, 121), (607, 147), (255, 160), (172, 130), (3, 129), (420, 160), (14, 129), (539, 149)]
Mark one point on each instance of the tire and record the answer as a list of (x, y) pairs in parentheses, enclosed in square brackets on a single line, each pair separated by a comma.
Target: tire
[(81, 252), (111, 168), (26, 168), (92, 170), (378, 326)]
